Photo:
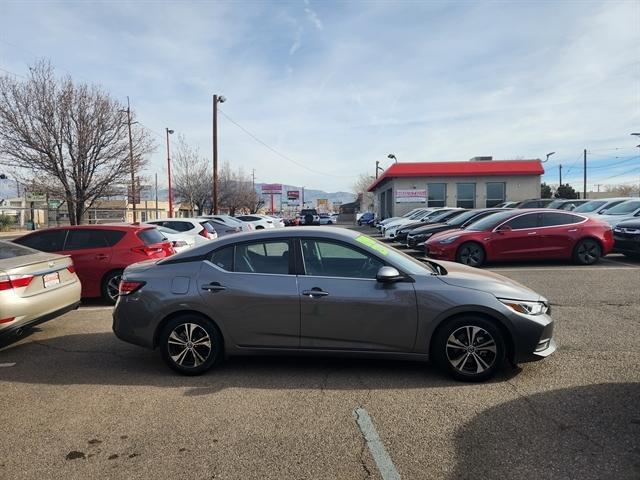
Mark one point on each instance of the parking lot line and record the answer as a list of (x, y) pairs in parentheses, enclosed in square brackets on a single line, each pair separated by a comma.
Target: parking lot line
[(376, 447), (6, 365), (94, 309)]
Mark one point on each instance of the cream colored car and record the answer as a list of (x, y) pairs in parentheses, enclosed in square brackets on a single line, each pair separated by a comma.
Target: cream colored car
[(34, 287)]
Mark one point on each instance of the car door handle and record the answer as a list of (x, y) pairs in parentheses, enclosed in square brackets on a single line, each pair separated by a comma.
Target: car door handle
[(573, 230), (532, 233), (214, 287), (315, 292), (101, 256)]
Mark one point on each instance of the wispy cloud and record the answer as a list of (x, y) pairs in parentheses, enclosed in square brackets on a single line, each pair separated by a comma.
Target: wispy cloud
[(339, 85)]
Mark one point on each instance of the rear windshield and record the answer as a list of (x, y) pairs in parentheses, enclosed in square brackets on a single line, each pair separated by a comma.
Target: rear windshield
[(624, 208), (11, 250), (150, 236), (590, 206), (487, 223)]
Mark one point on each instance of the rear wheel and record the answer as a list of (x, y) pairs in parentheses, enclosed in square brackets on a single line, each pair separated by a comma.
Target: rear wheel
[(110, 286), (469, 348), (190, 344), (471, 253), (587, 252)]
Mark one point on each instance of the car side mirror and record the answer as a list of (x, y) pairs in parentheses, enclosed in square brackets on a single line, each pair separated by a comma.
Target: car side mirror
[(388, 274), (503, 229)]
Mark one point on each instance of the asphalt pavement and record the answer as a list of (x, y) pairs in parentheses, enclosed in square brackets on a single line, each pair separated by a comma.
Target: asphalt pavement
[(75, 402)]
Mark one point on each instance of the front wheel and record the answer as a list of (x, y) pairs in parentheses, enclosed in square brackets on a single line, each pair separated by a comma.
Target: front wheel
[(190, 344), (587, 252), (469, 349), (471, 253)]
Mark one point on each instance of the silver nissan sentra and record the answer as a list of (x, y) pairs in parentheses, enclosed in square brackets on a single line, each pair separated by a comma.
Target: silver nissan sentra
[(328, 291)]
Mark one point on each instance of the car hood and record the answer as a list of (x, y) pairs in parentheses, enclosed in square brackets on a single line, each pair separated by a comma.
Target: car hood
[(612, 220), (430, 228), (463, 276)]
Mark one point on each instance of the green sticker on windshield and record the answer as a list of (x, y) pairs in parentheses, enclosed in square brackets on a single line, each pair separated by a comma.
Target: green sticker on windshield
[(373, 245)]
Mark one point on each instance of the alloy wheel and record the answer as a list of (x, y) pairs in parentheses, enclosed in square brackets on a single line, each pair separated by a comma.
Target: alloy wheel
[(471, 350), (113, 287), (588, 252), (471, 255), (189, 345)]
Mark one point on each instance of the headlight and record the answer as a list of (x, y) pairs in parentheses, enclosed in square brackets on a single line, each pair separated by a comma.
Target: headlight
[(448, 240), (528, 308)]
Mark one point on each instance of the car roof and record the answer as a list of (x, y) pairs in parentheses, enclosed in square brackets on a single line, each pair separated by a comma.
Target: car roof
[(99, 226)]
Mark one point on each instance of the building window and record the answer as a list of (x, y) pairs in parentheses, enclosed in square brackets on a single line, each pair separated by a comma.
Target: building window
[(495, 193), (466, 197), (436, 194)]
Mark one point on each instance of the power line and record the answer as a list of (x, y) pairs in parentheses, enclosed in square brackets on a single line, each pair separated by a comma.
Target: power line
[(282, 155)]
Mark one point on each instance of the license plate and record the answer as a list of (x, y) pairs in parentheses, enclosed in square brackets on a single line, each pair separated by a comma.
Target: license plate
[(51, 279)]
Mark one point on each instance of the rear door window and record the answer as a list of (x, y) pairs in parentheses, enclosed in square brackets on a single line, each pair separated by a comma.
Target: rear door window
[(113, 236), (82, 239), (223, 258), (262, 257), (46, 241), (554, 219), (208, 227), (150, 236), (178, 226)]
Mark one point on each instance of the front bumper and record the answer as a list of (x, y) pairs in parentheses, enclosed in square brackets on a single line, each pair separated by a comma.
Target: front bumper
[(627, 245), (440, 252), (532, 337)]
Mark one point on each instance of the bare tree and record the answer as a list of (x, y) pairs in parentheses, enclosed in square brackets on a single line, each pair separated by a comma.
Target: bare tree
[(193, 176), (620, 190), (236, 190), (360, 186), (70, 140)]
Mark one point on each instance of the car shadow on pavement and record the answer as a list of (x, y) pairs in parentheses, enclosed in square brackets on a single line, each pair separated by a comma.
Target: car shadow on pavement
[(102, 359), (589, 432)]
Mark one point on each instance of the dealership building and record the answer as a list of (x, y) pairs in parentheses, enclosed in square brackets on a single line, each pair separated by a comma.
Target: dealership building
[(477, 183)]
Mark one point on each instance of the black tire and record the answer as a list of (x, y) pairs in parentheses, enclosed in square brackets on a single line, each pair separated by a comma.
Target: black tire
[(109, 286), (471, 254), (587, 252), (329, 222), (460, 362), (259, 227), (184, 348)]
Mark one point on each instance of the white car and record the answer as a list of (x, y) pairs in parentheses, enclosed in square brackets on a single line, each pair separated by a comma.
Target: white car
[(406, 219), (623, 211), (199, 228), (327, 219), (259, 222), (381, 224), (391, 229), (231, 221), (277, 221), (601, 205), (180, 241)]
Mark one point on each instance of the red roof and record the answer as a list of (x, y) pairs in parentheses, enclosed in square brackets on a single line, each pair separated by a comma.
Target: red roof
[(461, 169)]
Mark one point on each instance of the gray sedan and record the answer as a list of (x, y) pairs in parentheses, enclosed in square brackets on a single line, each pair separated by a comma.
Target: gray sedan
[(328, 291)]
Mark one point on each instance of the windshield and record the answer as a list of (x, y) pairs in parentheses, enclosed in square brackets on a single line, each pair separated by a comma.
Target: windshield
[(462, 218), (555, 203), (489, 222), (434, 217), (417, 215), (624, 208), (403, 261), (591, 206)]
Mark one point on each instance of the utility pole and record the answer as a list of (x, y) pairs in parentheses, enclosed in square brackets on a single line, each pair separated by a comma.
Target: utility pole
[(598, 186), (253, 178), (302, 197), (584, 187), (214, 199), (377, 168), (169, 132), (133, 170), (156, 195), (560, 170)]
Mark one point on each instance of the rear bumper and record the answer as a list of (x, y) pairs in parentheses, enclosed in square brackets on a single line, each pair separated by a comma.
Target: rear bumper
[(36, 321)]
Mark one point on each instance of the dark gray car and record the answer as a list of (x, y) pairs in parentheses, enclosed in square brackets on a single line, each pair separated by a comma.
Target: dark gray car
[(328, 291)]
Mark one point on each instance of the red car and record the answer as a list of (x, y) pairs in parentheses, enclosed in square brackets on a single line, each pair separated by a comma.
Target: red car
[(101, 252), (524, 234)]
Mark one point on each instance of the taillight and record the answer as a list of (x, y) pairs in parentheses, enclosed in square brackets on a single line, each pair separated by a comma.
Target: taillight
[(128, 287), (7, 320), (14, 281), (154, 249), (204, 233), (71, 269)]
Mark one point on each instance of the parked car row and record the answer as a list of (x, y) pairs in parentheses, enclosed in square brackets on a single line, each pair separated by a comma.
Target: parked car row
[(582, 233)]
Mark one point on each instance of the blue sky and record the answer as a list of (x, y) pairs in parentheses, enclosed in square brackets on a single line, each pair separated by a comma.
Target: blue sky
[(335, 86)]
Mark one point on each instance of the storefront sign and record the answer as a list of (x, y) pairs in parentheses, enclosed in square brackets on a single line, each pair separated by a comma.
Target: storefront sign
[(411, 196)]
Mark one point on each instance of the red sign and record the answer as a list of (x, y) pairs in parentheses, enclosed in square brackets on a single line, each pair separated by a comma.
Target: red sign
[(272, 189), (293, 194)]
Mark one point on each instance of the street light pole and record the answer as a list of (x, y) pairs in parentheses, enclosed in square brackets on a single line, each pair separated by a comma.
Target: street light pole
[(393, 157), (214, 199), (133, 171), (169, 132)]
